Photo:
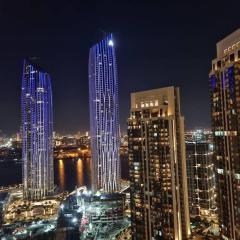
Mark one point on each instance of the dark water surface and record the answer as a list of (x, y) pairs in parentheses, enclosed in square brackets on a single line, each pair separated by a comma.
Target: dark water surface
[(68, 173)]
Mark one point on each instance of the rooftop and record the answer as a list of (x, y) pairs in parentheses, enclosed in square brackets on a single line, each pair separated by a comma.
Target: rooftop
[(228, 44)]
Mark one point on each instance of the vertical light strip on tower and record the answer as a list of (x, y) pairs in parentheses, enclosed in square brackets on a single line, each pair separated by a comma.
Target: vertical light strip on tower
[(37, 132), (104, 116)]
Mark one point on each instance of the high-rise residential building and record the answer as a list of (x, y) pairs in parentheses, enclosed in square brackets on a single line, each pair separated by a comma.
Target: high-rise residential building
[(201, 176), (104, 116), (225, 112), (157, 163), (37, 132)]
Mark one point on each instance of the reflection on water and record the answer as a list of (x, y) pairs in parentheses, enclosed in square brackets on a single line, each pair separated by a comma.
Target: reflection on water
[(79, 172), (68, 173), (72, 173), (61, 175)]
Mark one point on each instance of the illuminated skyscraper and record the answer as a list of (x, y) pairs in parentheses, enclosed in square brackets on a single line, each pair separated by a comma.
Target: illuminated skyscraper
[(37, 132), (104, 116), (157, 165), (225, 112)]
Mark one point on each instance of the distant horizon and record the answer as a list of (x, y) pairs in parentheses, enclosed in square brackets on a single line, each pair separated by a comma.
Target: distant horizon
[(62, 134)]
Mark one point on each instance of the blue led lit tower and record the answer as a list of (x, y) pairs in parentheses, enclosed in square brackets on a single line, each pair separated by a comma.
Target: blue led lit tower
[(37, 132), (104, 116)]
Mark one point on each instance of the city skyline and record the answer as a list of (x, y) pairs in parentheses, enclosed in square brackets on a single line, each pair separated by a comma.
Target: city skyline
[(112, 74), (67, 59)]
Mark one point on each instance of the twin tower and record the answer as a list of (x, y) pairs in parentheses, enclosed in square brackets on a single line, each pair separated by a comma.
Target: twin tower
[(37, 124), (157, 163)]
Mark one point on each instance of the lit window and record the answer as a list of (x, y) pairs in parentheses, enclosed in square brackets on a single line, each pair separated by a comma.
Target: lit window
[(220, 171), (237, 176)]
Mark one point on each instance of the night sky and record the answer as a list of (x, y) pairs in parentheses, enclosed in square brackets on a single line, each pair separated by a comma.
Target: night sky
[(158, 45)]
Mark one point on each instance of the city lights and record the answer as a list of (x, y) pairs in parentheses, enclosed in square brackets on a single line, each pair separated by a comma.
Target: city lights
[(74, 220), (113, 157), (110, 42)]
